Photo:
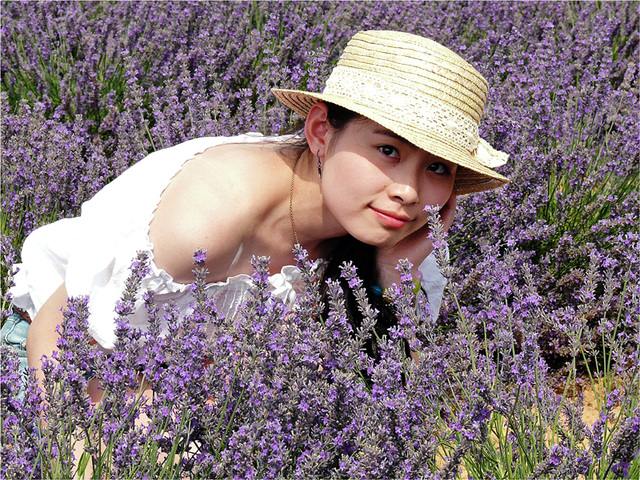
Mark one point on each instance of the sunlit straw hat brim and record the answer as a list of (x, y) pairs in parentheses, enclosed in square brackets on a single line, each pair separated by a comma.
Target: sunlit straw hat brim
[(421, 91)]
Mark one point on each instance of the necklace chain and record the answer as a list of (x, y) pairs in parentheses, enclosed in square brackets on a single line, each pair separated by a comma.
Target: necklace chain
[(293, 224)]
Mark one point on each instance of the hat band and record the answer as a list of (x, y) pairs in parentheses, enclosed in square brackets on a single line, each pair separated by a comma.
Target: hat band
[(377, 95)]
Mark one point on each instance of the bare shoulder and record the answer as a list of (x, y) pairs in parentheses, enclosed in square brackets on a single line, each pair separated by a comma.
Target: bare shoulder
[(213, 203)]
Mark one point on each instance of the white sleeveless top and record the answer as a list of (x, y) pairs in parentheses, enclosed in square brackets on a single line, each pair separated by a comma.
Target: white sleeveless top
[(92, 253)]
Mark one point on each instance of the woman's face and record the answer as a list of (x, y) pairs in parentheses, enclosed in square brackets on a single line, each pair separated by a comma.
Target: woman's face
[(376, 185)]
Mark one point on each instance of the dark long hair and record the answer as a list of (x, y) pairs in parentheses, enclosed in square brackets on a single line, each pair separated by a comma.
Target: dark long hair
[(349, 249)]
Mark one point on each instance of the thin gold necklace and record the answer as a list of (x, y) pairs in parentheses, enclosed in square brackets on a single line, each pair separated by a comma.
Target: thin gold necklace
[(293, 224)]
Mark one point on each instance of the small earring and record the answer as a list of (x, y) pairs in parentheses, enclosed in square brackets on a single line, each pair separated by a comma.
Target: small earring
[(319, 164)]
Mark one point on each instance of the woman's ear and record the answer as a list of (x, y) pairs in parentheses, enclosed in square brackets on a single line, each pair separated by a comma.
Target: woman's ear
[(316, 129)]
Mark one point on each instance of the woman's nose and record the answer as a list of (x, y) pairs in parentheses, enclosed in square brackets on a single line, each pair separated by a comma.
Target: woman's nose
[(403, 192)]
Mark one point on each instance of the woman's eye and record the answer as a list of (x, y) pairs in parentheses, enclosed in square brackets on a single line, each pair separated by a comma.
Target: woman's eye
[(390, 151), (439, 168)]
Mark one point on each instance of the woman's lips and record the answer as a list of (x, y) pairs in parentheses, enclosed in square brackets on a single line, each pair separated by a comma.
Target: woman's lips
[(390, 219)]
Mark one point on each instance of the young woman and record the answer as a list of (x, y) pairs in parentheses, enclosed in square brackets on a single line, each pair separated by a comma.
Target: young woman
[(395, 130)]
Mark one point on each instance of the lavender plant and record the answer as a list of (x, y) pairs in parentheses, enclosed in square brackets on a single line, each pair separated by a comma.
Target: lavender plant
[(543, 299), (289, 393)]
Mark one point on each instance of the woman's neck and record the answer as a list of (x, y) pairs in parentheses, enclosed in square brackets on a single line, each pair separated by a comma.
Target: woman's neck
[(315, 227)]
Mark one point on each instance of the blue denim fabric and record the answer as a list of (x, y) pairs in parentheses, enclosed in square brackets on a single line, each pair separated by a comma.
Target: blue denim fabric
[(14, 335)]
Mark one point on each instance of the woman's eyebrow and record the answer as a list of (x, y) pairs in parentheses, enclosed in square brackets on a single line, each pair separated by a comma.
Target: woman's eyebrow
[(389, 133)]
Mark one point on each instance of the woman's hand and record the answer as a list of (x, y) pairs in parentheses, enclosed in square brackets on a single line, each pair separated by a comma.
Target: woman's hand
[(415, 247)]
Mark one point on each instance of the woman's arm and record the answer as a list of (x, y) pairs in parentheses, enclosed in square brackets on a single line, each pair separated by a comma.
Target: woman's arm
[(42, 336)]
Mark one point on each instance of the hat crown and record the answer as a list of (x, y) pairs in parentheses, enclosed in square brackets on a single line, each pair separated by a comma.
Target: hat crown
[(406, 61)]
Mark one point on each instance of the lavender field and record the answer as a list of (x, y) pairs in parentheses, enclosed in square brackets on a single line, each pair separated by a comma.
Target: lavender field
[(543, 304)]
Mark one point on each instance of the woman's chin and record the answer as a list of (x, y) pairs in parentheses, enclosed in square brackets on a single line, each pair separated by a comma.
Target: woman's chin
[(379, 241)]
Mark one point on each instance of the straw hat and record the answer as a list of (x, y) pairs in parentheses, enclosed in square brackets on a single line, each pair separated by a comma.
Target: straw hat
[(421, 91)]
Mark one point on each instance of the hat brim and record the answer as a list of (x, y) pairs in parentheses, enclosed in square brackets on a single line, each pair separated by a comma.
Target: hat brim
[(471, 177)]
